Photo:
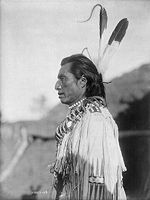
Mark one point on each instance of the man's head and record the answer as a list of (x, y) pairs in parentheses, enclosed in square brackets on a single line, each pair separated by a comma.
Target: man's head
[(78, 78)]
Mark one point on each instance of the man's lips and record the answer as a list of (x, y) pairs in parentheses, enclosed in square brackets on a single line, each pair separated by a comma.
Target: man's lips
[(60, 95)]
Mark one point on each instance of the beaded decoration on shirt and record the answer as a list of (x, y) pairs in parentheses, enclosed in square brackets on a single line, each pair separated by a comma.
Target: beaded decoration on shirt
[(67, 125), (92, 104)]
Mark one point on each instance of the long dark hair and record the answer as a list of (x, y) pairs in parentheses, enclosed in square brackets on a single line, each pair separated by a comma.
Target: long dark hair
[(82, 66)]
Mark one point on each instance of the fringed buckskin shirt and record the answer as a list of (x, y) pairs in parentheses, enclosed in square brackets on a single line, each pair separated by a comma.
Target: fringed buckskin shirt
[(88, 158)]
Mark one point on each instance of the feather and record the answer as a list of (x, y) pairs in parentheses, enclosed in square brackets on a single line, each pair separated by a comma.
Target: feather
[(113, 44), (102, 27), (102, 20), (119, 31)]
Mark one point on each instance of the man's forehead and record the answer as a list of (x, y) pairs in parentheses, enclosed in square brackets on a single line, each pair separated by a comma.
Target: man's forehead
[(65, 69)]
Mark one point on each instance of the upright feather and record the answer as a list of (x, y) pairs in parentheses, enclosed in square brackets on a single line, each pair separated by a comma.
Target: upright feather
[(113, 44), (102, 20), (102, 27)]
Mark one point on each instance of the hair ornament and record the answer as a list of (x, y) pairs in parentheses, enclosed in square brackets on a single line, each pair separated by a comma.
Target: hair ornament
[(105, 82)]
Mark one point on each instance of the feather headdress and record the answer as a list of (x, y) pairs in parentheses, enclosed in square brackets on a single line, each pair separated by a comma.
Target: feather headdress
[(116, 37)]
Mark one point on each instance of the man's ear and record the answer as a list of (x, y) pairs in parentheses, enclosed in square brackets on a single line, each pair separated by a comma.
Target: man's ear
[(83, 81)]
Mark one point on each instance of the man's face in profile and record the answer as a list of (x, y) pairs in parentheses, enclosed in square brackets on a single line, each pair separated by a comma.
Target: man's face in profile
[(69, 89)]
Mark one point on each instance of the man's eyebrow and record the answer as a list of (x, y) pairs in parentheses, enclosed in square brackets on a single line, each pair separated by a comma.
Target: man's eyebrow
[(61, 76)]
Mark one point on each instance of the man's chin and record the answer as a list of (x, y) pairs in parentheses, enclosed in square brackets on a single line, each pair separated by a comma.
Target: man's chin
[(64, 101)]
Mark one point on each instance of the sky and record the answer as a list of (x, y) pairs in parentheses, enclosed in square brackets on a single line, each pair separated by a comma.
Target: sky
[(36, 34)]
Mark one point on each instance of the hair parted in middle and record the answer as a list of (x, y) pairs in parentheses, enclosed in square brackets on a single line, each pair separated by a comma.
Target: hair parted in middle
[(83, 66)]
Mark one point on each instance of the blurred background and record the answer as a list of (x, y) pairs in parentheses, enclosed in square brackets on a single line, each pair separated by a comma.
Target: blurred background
[(35, 36)]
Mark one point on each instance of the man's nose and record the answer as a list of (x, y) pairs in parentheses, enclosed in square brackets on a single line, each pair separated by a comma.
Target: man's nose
[(58, 85)]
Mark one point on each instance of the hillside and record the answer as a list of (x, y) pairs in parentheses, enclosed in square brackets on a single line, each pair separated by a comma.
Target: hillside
[(129, 97), (128, 88)]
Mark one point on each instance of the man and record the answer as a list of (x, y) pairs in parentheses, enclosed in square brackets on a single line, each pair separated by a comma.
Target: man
[(89, 162)]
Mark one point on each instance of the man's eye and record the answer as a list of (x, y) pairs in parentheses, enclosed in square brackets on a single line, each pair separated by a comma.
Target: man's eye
[(62, 79)]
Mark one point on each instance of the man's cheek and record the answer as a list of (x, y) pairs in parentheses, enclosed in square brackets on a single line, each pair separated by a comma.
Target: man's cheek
[(64, 84)]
